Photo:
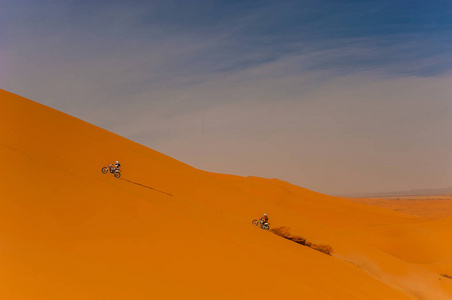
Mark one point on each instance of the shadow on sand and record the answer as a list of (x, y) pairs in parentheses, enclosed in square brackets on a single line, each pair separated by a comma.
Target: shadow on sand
[(145, 186)]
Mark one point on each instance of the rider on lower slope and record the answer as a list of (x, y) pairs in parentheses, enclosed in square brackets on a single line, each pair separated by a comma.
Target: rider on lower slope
[(264, 219)]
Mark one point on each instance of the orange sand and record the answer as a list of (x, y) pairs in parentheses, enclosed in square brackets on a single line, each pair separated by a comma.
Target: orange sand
[(67, 231)]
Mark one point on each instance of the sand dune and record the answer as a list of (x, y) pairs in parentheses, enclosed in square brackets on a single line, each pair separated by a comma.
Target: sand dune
[(70, 232)]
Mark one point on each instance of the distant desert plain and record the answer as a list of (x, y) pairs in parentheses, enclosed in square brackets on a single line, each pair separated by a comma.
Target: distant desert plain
[(166, 230), (427, 206)]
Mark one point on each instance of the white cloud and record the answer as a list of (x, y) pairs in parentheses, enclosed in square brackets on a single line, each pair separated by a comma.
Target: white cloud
[(337, 115)]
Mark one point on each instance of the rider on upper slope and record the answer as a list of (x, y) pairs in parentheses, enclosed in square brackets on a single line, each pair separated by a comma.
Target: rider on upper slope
[(115, 166)]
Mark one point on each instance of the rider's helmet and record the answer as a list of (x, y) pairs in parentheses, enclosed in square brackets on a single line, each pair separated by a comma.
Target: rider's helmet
[(265, 215), (117, 162)]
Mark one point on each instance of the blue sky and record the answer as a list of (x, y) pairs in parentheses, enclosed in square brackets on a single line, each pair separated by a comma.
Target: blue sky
[(239, 34), (251, 87)]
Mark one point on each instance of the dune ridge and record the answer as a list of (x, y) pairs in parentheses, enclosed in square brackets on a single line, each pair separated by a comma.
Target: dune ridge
[(67, 231)]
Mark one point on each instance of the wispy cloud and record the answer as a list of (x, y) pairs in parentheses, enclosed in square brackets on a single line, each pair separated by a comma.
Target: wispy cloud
[(275, 89)]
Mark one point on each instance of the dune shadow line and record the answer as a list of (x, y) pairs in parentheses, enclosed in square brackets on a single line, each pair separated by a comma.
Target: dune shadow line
[(145, 186)]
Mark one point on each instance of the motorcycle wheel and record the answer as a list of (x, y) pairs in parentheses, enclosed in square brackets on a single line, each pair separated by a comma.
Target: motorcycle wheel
[(104, 170), (255, 222), (117, 174)]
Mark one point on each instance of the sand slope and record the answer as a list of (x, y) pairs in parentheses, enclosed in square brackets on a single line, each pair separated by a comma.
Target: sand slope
[(67, 231)]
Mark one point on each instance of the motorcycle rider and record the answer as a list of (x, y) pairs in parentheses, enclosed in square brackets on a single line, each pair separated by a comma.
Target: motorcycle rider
[(115, 166), (264, 219)]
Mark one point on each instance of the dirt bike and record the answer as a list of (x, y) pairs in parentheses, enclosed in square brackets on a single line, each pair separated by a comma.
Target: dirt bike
[(263, 225), (113, 170)]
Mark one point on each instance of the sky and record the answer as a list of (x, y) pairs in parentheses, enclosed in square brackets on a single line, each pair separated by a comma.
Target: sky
[(340, 97)]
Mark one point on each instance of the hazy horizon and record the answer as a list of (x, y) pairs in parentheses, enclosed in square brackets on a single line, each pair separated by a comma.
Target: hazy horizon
[(341, 97)]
